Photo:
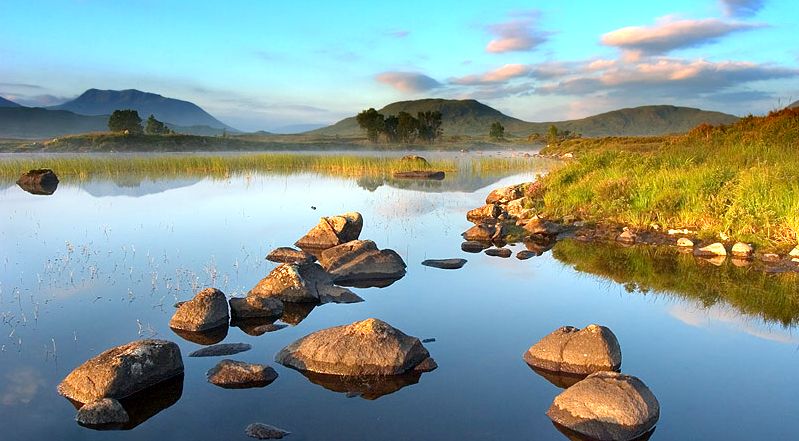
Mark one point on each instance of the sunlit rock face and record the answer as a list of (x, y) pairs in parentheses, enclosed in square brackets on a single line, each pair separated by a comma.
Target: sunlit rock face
[(332, 231), (207, 310), (568, 349)]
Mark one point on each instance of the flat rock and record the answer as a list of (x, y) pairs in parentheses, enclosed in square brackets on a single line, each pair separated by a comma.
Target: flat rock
[(420, 174), (255, 307), (289, 255), (368, 347), (221, 349), (332, 231), (207, 310), (103, 412), (568, 349), (607, 406), (473, 246), (122, 371), (480, 233), (714, 249), (526, 254), (359, 261), (265, 431), (445, 263), (233, 374), (499, 252)]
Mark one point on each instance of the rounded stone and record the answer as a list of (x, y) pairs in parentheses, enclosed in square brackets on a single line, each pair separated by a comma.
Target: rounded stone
[(568, 349)]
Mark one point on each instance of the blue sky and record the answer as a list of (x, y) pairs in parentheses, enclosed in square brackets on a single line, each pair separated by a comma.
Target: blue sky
[(261, 64)]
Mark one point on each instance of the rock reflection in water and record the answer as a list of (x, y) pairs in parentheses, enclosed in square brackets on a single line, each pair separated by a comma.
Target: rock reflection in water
[(294, 313), (574, 436), (145, 404), (563, 380), (367, 387), (41, 189), (209, 337), (258, 326)]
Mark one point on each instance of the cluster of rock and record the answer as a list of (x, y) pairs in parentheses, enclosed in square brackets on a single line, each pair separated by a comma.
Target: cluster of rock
[(599, 402), (508, 217)]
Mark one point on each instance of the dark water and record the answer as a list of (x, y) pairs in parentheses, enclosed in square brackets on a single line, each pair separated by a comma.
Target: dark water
[(101, 264)]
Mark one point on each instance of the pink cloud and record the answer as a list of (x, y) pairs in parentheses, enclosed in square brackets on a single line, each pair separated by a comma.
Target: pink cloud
[(502, 74), (517, 34), (409, 82)]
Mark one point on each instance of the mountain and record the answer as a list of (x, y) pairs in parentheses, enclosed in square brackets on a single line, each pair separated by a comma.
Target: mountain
[(8, 103), (169, 110), (473, 118), (295, 128), (794, 105), (35, 122)]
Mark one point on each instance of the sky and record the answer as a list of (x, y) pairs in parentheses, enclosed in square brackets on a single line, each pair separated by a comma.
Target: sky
[(264, 64)]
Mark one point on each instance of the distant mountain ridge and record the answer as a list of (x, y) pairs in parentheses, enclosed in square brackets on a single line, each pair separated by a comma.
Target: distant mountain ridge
[(95, 102), (473, 118), (8, 103), (793, 105)]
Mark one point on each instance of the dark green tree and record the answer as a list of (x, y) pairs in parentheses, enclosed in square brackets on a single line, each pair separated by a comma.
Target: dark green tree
[(497, 131), (390, 125), (553, 136), (407, 127), (429, 125), (125, 121), (371, 121), (155, 127)]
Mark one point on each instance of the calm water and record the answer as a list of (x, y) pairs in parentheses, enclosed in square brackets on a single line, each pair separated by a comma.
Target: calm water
[(100, 264)]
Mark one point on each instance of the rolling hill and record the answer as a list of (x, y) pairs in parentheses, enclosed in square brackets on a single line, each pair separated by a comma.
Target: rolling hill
[(793, 105), (36, 122), (8, 103), (169, 110), (473, 118)]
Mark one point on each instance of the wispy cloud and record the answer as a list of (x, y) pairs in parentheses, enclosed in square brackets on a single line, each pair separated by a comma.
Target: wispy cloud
[(670, 33), (498, 75), (21, 86), (517, 34), (408, 82), (741, 8), (401, 33)]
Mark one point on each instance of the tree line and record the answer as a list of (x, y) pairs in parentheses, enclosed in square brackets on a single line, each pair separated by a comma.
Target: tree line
[(403, 127), (128, 121)]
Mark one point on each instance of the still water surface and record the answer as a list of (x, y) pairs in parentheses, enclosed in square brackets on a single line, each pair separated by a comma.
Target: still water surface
[(101, 263)]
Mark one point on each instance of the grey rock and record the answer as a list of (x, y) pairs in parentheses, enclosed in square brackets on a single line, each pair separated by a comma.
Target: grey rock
[(445, 263), (526, 254), (233, 374), (473, 246), (499, 252), (221, 349), (265, 431), (207, 310)]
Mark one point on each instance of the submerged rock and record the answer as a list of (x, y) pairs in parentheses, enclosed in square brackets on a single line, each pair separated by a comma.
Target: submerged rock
[(714, 249), (445, 263), (207, 310), (473, 246), (568, 349), (607, 406), (122, 371), (289, 255), (233, 374), (103, 412), (255, 307), (265, 431), (420, 174), (368, 347), (40, 182), (332, 231), (221, 350), (359, 261), (499, 252)]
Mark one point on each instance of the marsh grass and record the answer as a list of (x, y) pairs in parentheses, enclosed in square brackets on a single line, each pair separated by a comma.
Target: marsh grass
[(741, 180), (646, 269)]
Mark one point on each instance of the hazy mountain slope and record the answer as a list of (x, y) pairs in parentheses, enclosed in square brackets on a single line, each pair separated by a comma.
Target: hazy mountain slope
[(35, 122), (8, 103), (470, 117), (169, 110), (794, 104)]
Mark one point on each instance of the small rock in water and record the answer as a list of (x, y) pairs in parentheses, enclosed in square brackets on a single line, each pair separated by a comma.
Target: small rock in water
[(271, 327), (525, 254), (498, 252), (207, 310), (684, 242), (743, 250), (102, 412), (428, 340), (627, 237), (568, 349), (445, 263), (265, 431), (794, 252), (239, 375), (473, 246), (714, 249), (221, 349)]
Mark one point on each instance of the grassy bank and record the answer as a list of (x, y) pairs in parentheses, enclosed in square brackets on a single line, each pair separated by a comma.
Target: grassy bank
[(85, 167), (741, 180), (663, 270)]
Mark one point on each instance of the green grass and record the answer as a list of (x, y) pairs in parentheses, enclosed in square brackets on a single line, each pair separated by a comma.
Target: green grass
[(653, 270), (159, 166), (741, 180)]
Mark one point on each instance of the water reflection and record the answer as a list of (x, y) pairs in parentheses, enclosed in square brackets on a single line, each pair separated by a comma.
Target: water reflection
[(39, 188), (208, 337), (366, 387), (563, 380), (574, 436)]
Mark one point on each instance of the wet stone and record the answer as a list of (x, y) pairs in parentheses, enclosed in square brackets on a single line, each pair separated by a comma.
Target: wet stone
[(232, 374), (499, 252), (445, 263), (265, 431), (473, 246), (221, 350)]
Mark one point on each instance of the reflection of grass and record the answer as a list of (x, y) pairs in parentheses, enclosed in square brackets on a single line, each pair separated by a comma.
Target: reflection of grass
[(80, 168), (741, 179), (773, 297)]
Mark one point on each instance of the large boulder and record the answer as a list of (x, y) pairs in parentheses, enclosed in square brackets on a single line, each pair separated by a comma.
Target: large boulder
[(607, 406), (568, 349), (504, 195), (361, 261), (122, 371), (232, 374), (487, 211), (41, 181), (299, 283), (207, 310), (368, 347), (332, 231)]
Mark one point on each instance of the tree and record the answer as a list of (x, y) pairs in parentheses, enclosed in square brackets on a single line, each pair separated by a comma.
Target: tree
[(155, 127), (497, 131), (390, 126), (552, 135), (429, 125), (407, 127), (125, 121), (372, 122)]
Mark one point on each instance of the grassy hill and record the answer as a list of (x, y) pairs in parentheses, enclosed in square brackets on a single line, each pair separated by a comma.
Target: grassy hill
[(473, 118), (177, 112)]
